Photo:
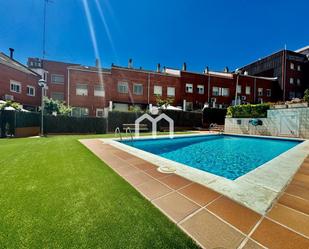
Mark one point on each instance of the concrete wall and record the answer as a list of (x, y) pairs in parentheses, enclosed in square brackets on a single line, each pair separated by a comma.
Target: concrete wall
[(290, 122)]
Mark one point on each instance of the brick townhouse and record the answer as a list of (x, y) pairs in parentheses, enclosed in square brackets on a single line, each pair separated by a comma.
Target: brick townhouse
[(92, 92), (19, 83), (122, 87)]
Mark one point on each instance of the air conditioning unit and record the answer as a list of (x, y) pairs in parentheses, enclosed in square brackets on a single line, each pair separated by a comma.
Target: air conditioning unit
[(8, 97), (243, 97)]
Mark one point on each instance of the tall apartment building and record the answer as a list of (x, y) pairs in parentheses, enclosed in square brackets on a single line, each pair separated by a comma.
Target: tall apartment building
[(290, 67)]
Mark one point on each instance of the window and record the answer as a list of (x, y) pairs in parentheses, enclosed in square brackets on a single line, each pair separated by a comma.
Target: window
[(291, 95), (292, 66), (248, 90), (189, 88), (57, 96), (260, 91), (225, 91), (260, 100), (81, 90), (215, 91), (138, 89), (299, 95), (99, 91), (189, 106), (170, 91), (157, 90), (80, 111), (268, 92), (57, 78), (15, 87), (291, 80), (220, 91), (99, 112), (30, 90), (298, 81), (298, 68), (45, 76), (200, 89), (123, 87), (238, 89)]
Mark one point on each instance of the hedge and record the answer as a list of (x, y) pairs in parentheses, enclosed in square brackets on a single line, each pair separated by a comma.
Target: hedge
[(66, 124), (248, 111), (7, 123), (214, 115)]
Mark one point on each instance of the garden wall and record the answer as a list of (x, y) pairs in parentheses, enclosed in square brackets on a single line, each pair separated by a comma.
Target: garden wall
[(291, 122), (186, 120)]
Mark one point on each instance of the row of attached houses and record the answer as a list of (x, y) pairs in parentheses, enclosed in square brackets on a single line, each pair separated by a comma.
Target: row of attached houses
[(92, 91)]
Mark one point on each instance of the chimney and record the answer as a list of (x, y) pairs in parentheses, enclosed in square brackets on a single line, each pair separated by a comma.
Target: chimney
[(184, 66), (206, 71), (226, 70), (158, 67), (130, 63), (11, 52), (97, 62)]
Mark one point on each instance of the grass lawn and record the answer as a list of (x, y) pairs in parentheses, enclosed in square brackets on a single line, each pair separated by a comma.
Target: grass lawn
[(54, 193)]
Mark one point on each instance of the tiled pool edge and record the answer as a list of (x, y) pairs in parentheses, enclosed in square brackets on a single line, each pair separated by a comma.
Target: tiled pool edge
[(257, 189)]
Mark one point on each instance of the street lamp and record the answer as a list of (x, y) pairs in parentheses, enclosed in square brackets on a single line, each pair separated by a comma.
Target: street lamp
[(237, 72), (43, 86)]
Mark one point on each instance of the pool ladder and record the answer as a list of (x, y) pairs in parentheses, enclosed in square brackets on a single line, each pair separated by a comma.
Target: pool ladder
[(128, 131), (117, 130)]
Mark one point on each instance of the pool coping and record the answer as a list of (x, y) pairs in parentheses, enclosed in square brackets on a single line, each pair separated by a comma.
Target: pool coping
[(258, 189)]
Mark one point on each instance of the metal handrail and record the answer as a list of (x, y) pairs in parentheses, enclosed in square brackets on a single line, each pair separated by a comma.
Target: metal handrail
[(117, 130), (128, 130)]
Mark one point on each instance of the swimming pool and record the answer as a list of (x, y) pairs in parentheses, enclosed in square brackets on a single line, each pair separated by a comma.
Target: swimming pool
[(223, 155)]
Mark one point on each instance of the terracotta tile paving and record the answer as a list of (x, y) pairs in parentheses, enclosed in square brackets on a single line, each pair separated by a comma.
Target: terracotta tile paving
[(176, 206), (273, 235), (239, 216), (153, 189), (155, 173), (211, 232), (296, 220), (175, 181), (199, 194), (294, 202), (211, 219), (250, 244)]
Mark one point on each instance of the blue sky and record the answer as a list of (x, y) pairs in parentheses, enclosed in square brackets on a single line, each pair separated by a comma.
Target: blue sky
[(200, 32)]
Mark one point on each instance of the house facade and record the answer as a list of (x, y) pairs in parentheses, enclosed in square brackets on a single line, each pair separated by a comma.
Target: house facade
[(19, 83), (290, 67), (92, 90)]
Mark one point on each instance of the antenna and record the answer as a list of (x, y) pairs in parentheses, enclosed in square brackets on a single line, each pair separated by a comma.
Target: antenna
[(44, 26)]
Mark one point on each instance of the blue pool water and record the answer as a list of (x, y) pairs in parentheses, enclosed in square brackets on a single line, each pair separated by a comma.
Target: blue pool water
[(223, 155)]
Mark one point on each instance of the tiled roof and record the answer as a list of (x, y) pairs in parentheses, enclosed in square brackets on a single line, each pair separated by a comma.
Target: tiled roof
[(6, 60)]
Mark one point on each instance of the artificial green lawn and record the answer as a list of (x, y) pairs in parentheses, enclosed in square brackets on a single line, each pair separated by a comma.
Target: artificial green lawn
[(54, 193)]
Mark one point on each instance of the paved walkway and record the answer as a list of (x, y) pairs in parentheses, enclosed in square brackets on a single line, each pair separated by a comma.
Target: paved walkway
[(210, 218)]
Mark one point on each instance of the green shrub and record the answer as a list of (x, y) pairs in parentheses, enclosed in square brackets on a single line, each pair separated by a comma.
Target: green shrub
[(306, 95), (248, 111)]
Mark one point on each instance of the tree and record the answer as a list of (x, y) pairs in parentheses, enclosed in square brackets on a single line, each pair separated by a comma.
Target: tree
[(55, 106), (306, 95), (164, 102), (10, 103)]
